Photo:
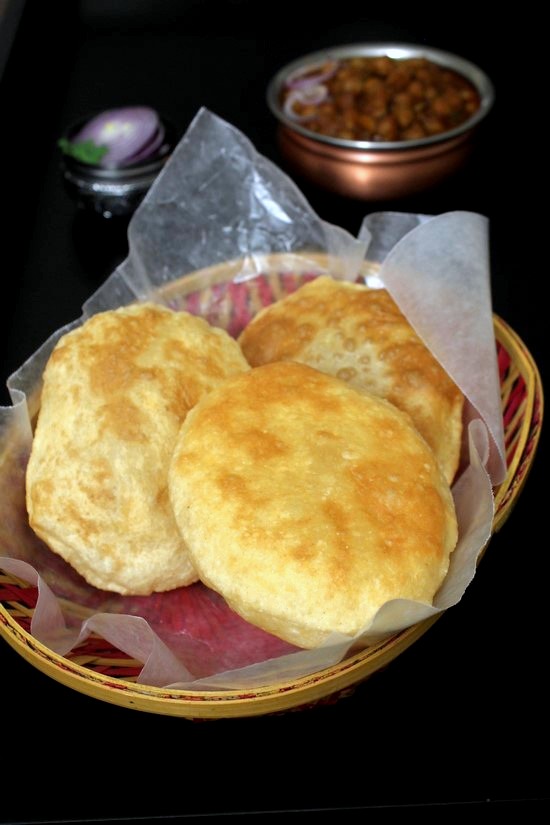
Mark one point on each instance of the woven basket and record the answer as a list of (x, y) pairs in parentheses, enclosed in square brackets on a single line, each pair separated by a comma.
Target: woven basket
[(99, 670)]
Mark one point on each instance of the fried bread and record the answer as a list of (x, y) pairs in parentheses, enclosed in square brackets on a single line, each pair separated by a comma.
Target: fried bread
[(361, 336), (115, 392), (308, 504)]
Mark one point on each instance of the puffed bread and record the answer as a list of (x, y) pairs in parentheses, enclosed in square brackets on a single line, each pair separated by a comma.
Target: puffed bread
[(115, 392), (361, 336), (308, 504)]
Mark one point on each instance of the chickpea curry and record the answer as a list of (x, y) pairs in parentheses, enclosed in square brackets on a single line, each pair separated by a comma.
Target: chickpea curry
[(379, 98)]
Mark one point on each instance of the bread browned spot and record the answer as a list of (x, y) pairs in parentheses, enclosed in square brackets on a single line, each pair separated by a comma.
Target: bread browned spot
[(308, 504), (360, 336), (115, 393)]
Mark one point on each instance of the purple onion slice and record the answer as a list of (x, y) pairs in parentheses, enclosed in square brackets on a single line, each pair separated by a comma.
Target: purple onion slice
[(306, 76), (149, 149), (125, 131), (307, 95)]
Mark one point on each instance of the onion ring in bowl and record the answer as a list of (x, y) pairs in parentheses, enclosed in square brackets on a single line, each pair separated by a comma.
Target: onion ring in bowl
[(311, 75), (308, 96)]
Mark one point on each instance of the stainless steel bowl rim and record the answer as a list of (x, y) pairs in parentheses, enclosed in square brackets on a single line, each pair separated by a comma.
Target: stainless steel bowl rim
[(112, 188), (147, 169), (398, 51)]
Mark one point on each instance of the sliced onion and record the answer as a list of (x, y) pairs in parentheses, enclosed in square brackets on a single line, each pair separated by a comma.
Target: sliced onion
[(308, 96), (311, 75), (125, 131), (150, 148)]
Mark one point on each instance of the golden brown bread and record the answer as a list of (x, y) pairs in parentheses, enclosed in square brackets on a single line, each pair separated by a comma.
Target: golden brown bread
[(115, 392), (360, 336), (307, 504)]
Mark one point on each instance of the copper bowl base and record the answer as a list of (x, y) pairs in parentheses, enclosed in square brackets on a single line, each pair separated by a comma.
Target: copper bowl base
[(373, 175)]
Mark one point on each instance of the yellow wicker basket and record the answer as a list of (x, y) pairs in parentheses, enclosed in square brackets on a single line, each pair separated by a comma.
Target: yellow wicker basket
[(98, 670)]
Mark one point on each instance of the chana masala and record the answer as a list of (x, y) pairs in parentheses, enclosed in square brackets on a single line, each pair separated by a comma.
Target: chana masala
[(379, 98)]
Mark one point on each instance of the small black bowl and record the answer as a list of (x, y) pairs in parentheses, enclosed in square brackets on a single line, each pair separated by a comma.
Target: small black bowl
[(113, 192)]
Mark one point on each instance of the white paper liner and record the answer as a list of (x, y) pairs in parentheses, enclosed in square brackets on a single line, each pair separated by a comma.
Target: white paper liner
[(218, 200)]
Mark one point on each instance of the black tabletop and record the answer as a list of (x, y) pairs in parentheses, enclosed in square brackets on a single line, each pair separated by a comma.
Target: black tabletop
[(459, 720)]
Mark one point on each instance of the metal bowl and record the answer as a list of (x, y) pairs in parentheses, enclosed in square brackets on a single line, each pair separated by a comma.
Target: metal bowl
[(378, 170), (113, 192)]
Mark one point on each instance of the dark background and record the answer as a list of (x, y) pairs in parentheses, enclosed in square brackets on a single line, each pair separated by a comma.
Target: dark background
[(460, 720)]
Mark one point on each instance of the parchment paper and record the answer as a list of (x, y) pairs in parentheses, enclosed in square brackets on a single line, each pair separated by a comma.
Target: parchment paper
[(216, 201)]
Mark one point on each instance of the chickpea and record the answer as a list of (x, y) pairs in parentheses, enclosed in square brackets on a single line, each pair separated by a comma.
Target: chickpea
[(382, 65), (433, 125), (387, 128), (402, 99), (400, 78), (345, 102), (351, 84), (440, 106), (367, 123), (403, 114), (378, 104), (416, 89), (424, 75), (373, 85), (413, 132)]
